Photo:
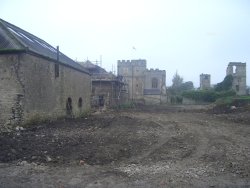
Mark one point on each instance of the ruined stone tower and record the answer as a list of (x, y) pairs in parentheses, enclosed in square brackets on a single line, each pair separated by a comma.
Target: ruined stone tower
[(205, 81), (238, 71)]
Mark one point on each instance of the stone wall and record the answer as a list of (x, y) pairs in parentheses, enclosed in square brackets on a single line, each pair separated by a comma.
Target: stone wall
[(30, 90), (11, 89)]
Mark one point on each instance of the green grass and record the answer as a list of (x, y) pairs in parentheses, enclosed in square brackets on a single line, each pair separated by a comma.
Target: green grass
[(233, 101), (125, 106)]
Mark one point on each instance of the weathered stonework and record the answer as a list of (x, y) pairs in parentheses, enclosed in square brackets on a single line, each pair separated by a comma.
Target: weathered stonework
[(30, 90), (37, 81), (108, 92), (205, 81), (238, 71), (143, 84), (155, 86), (134, 74), (107, 89)]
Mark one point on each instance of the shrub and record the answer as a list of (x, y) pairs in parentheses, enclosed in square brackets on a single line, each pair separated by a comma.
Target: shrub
[(207, 95), (225, 85), (233, 101)]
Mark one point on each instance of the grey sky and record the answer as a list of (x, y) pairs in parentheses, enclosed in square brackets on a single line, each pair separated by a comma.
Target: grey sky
[(191, 36)]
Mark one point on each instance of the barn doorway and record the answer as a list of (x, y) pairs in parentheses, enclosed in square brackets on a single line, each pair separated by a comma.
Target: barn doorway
[(69, 107)]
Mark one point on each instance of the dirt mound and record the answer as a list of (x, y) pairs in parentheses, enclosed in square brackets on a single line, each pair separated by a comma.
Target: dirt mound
[(94, 140)]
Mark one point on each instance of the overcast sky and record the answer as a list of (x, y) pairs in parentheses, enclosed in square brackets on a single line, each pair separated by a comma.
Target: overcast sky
[(190, 36)]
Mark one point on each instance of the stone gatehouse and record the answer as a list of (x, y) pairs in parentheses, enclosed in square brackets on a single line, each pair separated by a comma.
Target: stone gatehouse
[(144, 84), (37, 81)]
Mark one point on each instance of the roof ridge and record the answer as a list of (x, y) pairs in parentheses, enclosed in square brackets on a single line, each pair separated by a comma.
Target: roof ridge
[(10, 34), (25, 32), (32, 43)]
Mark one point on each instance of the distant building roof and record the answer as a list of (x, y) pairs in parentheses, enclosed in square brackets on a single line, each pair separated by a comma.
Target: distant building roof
[(152, 92), (13, 38), (92, 68)]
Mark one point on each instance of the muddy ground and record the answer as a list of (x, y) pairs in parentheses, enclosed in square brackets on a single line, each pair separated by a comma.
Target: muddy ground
[(166, 146)]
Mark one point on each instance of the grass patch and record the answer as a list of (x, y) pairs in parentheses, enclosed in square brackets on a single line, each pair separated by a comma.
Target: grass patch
[(128, 105), (238, 101), (208, 95)]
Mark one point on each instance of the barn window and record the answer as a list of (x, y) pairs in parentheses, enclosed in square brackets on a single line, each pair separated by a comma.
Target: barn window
[(154, 83), (56, 70), (80, 102)]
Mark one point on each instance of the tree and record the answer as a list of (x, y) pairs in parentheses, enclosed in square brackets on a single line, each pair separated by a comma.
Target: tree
[(177, 80), (187, 86)]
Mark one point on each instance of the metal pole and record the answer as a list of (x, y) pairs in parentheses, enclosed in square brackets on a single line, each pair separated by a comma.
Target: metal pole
[(57, 53)]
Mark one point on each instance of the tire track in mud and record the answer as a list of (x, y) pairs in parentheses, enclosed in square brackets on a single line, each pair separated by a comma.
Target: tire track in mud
[(179, 146), (174, 138)]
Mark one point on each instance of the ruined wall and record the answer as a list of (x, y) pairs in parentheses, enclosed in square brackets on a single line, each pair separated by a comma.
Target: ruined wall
[(134, 75), (30, 90), (205, 81), (238, 71)]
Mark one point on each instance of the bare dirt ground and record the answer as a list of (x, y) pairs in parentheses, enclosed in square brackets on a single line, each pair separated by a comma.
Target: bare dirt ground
[(166, 146)]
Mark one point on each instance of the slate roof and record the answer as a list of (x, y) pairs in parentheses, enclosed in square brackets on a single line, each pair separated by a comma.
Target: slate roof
[(92, 68), (152, 92), (13, 38)]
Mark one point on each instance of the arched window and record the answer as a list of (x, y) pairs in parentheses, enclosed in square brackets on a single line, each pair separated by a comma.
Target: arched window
[(80, 102), (154, 83)]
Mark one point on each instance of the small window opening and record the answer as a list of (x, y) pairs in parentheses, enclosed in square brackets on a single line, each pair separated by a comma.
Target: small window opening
[(234, 69), (69, 106), (154, 83), (56, 70), (80, 102)]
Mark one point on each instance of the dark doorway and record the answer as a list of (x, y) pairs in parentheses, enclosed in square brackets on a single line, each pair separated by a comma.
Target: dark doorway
[(80, 102), (101, 100), (69, 106)]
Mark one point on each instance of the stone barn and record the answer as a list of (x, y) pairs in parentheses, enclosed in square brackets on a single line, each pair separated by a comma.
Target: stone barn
[(37, 81)]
